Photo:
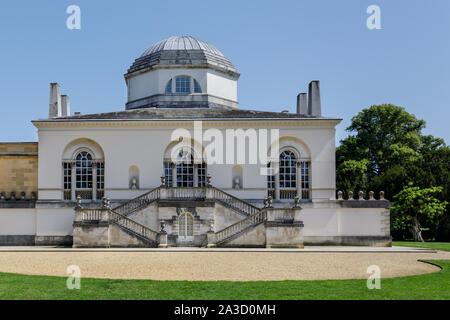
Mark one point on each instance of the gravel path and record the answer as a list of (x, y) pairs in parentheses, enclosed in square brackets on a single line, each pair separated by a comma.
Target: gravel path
[(211, 266)]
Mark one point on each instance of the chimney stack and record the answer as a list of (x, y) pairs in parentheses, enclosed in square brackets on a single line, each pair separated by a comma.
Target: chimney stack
[(55, 101), (314, 106), (65, 106), (302, 103)]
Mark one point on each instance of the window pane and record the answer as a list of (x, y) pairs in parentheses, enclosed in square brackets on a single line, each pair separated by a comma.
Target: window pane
[(183, 85)]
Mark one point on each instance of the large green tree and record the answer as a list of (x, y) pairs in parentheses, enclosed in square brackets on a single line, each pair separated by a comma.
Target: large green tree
[(386, 151)]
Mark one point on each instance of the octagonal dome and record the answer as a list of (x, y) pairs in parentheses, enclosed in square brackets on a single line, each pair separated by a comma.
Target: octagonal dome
[(182, 51), (182, 43)]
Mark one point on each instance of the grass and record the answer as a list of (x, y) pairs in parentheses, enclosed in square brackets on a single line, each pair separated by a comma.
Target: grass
[(444, 246), (428, 286)]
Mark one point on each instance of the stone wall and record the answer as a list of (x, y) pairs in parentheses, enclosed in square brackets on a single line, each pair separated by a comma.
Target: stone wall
[(19, 168)]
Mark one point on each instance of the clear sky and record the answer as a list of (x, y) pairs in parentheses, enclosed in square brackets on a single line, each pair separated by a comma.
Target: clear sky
[(277, 46)]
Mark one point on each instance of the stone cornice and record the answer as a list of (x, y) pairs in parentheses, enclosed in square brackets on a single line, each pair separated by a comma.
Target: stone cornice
[(188, 123)]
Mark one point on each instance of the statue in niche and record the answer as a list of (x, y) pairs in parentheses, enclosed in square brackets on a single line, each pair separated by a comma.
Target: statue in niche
[(236, 183), (134, 184)]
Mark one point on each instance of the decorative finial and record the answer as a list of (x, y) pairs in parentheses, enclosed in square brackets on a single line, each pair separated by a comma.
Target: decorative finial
[(163, 225), (360, 195), (104, 204), (269, 202), (340, 195), (208, 180), (163, 180), (297, 202), (382, 195), (78, 206), (266, 202), (371, 193), (350, 195)]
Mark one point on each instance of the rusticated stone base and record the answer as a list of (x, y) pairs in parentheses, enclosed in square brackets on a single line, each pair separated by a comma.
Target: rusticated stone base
[(370, 241)]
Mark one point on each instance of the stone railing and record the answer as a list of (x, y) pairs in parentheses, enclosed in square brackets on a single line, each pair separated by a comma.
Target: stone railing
[(91, 215), (133, 226), (233, 202), (15, 196), (281, 214), (361, 196), (186, 193), (138, 203), (109, 216), (240, 226)]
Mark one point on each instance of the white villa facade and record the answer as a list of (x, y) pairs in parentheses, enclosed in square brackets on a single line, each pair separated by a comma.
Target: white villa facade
[(145, 177)]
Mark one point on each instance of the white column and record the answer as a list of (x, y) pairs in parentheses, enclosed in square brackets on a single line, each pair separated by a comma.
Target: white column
[(73, 179), (94, 180), (195, 175), (174, 175), (299, 179), (277, 180)]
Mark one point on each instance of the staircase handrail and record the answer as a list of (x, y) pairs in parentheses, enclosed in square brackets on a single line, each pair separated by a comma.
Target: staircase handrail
[(239, 226), (133, 226), (239, 204), (139, 202)]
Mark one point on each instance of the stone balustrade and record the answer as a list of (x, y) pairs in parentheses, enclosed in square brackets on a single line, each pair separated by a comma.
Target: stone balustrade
[(18, 196), (361, 196)]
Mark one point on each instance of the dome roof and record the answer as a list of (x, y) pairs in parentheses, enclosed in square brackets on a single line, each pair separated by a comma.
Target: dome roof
[(182, 43), (182, 51)]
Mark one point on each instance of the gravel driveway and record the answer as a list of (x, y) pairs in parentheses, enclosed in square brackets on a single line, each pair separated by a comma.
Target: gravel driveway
[(211, 266)]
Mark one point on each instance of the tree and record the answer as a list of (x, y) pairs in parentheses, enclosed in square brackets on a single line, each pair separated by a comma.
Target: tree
[(389, 138), (386, 151), (352, 175), (416, 207)]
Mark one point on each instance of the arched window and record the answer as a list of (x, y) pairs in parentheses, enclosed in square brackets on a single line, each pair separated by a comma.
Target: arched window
[(169, 87), (183, 84), (197, 88), (83, 170), (288, 170), (185, 169)]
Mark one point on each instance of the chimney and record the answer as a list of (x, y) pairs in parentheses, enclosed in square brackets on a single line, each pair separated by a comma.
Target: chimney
[(65, 106), (314, 107), (55, 101), (302, 103)]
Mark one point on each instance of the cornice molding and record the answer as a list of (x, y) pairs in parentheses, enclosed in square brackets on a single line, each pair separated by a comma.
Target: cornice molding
[(188, 123)]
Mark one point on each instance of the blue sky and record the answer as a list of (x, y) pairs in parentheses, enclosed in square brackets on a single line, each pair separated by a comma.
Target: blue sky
[(277, 46)]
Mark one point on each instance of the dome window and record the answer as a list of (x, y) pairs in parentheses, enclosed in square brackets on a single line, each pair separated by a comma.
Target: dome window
[(169, 87), (197, 88), (183, 84)]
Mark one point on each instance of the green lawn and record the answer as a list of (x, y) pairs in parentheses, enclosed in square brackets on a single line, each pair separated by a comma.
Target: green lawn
[(429, 286), (444, 246)]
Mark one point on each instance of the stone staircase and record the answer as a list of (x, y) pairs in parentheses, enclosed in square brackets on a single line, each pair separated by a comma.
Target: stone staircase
[(134, 228), (118, 216), (235, 230), (187, 193)]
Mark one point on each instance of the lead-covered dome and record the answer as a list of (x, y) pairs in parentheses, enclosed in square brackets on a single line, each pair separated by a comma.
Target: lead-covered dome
[(183, 51), (182, 43)]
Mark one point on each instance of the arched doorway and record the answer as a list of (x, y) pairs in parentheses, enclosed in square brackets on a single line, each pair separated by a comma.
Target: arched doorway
[(186, 227)]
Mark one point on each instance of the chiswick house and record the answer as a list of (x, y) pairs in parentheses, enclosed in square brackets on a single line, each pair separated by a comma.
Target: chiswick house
[(183, 165)]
